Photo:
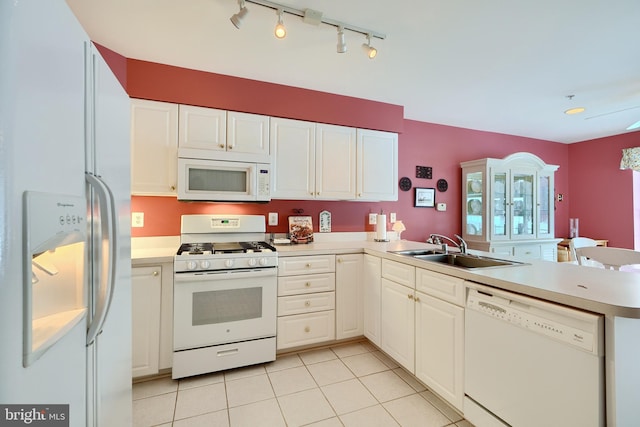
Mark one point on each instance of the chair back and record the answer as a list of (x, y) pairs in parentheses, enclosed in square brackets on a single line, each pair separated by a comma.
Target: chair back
[(611, 258), (580, 242)]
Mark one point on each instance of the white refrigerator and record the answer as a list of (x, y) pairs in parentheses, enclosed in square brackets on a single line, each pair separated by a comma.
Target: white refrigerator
[(65, 285)]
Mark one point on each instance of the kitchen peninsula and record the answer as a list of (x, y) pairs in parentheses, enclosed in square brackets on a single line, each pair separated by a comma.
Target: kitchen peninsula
[(616, 295)]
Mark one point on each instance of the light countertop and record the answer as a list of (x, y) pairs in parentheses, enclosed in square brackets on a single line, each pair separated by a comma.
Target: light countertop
[(613, 293)]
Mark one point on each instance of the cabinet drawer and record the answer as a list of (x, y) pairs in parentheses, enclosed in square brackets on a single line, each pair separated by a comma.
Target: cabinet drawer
[(528, 251), (289, 266), (297, 304), (446, 288), (399, 273), (304, 329), (294, 285)]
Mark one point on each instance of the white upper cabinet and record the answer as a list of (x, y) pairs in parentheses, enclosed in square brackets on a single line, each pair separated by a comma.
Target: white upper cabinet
[(208, 133), (202, 129), (154, 147), (335, 162), (319, 161), (293, 145), (377, 169)]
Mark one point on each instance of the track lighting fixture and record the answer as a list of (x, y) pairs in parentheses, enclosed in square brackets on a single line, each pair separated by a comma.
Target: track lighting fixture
[(370, 50), (280, 31), (342, 46), (312, 17), (237, 18)]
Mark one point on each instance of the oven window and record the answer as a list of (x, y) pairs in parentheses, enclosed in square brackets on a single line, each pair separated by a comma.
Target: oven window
[(218, 180), (228, 305)]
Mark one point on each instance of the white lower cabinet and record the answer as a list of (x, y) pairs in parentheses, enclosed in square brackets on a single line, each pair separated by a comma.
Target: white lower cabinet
[(349, 296), (306, 300), (152, 318), (146, 287), (397, 313), (371, 284)]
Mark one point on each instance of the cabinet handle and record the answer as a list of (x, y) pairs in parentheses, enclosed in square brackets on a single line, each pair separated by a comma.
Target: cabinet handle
[(417, 299), (172, 188), (308, 265), (230, 147), (340, 260), (410, 296), (311, 193), (307, 303), (155, 273), (307, 284), (307, 329), (318, 193), (221, 145)]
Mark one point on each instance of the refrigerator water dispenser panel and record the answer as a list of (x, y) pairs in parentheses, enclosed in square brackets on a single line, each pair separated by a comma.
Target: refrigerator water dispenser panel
[(55, 230)]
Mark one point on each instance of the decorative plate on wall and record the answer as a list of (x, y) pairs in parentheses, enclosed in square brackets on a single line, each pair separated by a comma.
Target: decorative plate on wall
[(405, 184), (442, 185)]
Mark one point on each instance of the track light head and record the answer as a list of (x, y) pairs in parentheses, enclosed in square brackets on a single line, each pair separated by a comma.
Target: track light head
[(280, 31), (342, 45), (369, 50), (237, 18)]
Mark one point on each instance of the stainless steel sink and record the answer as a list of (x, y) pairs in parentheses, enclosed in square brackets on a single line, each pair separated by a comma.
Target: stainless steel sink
[(418, 252), (466, 260)]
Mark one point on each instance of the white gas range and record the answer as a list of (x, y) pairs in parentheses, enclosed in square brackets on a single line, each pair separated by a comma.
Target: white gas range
[(225, 294)]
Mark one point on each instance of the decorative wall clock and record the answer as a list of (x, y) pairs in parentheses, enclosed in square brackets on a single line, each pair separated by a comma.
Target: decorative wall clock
[(405, 184)]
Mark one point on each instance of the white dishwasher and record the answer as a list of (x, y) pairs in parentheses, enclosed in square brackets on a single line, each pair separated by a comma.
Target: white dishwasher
[(530, 363)]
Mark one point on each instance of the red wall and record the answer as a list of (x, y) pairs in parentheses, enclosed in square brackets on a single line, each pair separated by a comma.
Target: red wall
[(601, 195)]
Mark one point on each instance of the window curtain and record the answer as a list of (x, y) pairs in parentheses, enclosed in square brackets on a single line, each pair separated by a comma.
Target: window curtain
[(630, 159)]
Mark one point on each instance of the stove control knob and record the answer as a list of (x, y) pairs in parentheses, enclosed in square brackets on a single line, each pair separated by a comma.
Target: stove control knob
[(228, 263), (263, 261), (252, 262), (191, 265), (205, 264)]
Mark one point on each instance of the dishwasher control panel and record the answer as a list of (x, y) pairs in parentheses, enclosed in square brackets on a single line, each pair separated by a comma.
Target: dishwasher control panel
[(560, 323)]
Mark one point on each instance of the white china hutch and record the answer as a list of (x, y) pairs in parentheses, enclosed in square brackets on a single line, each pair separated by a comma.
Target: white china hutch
[(508, 206)]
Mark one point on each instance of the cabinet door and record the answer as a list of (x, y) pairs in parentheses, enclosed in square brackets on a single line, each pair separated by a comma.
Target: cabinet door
[(335, 162), (545, 205), (473, 204), (248, 134), (292, 146), (145, 300), (377, 165), (523, 204), (202, 129), (372, 281), (500, 207), (349, 296), (440, 347), (397, 323), (154, 147)]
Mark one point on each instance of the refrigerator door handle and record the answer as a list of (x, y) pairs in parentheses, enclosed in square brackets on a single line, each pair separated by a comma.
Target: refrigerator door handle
[(107, 205)]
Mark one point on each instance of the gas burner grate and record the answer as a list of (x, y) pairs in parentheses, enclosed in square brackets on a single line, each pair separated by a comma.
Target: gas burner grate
[(195, 248)]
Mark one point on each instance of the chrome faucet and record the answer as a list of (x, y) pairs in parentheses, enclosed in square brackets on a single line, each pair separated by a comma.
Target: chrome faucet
[(437, 239)]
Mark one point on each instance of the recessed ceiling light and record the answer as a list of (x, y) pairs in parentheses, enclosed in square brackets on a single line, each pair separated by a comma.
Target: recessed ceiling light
[(576, 110), (634, 126)]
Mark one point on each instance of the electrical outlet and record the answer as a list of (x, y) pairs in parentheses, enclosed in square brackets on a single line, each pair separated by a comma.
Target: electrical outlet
[(372, 219), (137, 219), (273, 218), (392, 217)]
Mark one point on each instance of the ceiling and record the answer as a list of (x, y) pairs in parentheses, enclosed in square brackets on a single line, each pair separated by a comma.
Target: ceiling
[(506, 66)]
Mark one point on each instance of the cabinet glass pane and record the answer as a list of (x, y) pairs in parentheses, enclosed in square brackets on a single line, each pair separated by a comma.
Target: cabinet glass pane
[(474, 203), (499, 194), (522, 200), (544, 212)]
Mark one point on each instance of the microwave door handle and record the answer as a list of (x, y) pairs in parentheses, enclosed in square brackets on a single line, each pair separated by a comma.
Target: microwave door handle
[(106, 203)]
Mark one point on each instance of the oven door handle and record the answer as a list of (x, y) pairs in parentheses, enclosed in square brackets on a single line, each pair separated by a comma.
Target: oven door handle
[(224, 275)]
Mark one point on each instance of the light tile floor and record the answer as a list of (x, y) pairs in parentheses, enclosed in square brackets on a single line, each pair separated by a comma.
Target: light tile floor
[(349, 385)]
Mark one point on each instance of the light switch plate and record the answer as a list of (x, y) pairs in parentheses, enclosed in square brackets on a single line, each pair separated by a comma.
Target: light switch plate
[(273, 218), (392, 217), (373, 219)]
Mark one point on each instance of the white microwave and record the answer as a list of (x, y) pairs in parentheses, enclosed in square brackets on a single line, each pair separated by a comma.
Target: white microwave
[(215, 180)]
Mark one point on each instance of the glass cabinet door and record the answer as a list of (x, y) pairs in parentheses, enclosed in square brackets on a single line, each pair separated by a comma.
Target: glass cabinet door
[(499, 206), (545, 206), (474, 206), (522, 205)]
